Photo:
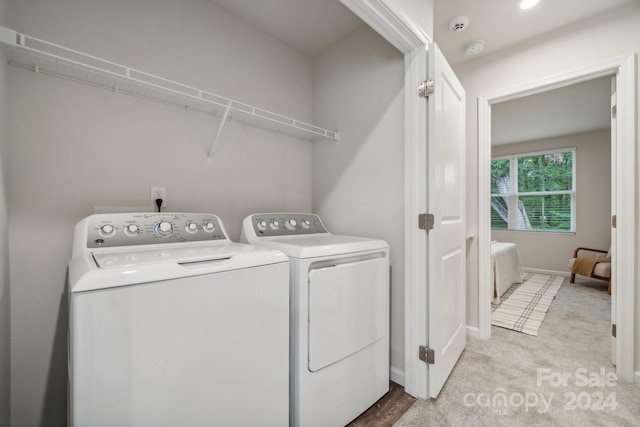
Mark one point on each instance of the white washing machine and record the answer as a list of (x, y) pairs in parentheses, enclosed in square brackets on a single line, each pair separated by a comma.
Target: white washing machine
[(339, 316), (172, 324)]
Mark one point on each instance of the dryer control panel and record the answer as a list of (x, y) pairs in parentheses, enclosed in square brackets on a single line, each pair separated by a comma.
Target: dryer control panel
[(130, 229), (286, 224)]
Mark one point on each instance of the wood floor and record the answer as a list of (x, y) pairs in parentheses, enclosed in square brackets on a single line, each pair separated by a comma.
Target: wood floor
[(386, 411)]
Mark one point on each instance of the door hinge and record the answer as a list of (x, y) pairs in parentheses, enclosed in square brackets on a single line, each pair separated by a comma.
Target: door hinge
[(425, 221), (426, 88), (614, 111), (614, 221), (613, 330), (426, 354)]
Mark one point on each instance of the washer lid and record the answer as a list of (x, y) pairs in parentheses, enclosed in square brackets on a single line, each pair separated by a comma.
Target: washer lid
[(181, 254), (102, 269), (320, 245)]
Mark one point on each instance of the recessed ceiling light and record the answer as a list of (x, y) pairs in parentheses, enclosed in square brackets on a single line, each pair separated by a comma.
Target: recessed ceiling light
[(527, 4)]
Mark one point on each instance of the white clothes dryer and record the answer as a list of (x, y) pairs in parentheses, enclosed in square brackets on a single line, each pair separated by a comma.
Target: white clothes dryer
[(339, 316), (172, 324)]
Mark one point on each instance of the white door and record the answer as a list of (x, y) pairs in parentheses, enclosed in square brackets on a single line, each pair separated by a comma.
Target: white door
[(446, 201)]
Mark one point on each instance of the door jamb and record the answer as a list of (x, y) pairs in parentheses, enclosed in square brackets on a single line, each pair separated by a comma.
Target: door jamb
[(624, 68), (415, 244)]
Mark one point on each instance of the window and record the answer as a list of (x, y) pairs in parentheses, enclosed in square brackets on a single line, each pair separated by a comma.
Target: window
[(534, 192)]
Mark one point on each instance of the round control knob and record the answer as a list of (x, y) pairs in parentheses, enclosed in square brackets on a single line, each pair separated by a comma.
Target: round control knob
[(274, 224), (291, 224), (191, 227), (262, 225), (132, 229), (107, 230), (209, 227), (306, 223), (163, 228)]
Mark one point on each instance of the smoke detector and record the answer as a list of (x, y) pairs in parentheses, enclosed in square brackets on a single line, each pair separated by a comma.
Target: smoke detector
[(459, 23), (474, 47)]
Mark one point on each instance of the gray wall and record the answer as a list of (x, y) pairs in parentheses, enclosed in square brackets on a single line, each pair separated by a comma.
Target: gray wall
[(551, 251), (606, 36), (72, 147), (5, 318), (358, 182)]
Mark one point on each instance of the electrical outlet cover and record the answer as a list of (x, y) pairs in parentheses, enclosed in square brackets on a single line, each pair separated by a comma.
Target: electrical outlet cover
[(158, 192)]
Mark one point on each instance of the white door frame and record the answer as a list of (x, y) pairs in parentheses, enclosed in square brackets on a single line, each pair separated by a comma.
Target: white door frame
[(399, 30), (626, 272)]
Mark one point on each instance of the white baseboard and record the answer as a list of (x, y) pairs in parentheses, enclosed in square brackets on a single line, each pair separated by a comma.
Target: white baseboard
[(472, 331), (396, 375), (548, 272)]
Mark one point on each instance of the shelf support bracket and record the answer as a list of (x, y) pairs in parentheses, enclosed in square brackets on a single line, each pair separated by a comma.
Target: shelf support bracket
[(215, 141)]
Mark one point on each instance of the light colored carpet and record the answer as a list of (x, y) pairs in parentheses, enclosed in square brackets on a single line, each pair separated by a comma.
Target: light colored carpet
[(525, 305), (573, 341)]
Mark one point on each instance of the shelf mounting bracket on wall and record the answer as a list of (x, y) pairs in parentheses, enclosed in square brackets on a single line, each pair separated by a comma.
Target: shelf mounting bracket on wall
[(46, 58), (217, 139)]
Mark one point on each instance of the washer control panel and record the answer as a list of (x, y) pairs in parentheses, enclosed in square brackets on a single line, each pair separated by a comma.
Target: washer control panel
[(285, 224), (130, 229)]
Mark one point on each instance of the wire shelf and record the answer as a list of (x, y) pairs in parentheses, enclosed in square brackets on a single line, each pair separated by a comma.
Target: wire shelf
[(50, 59)]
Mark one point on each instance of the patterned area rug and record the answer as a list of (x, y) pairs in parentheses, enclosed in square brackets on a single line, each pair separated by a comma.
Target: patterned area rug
[(524, 306)]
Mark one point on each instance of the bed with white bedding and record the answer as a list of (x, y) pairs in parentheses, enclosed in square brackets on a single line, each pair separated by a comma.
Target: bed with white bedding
[(507, 268)]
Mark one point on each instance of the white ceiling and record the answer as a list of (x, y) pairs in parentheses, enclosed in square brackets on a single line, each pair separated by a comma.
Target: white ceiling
[(501, 24), (581, 107), (311, 26)]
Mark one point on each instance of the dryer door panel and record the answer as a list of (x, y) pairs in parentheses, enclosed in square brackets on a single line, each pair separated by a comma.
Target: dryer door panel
[(348, 309)]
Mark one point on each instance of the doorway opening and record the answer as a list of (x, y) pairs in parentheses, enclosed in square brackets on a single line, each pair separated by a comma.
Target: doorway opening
[(624, 248), (550, 194)]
